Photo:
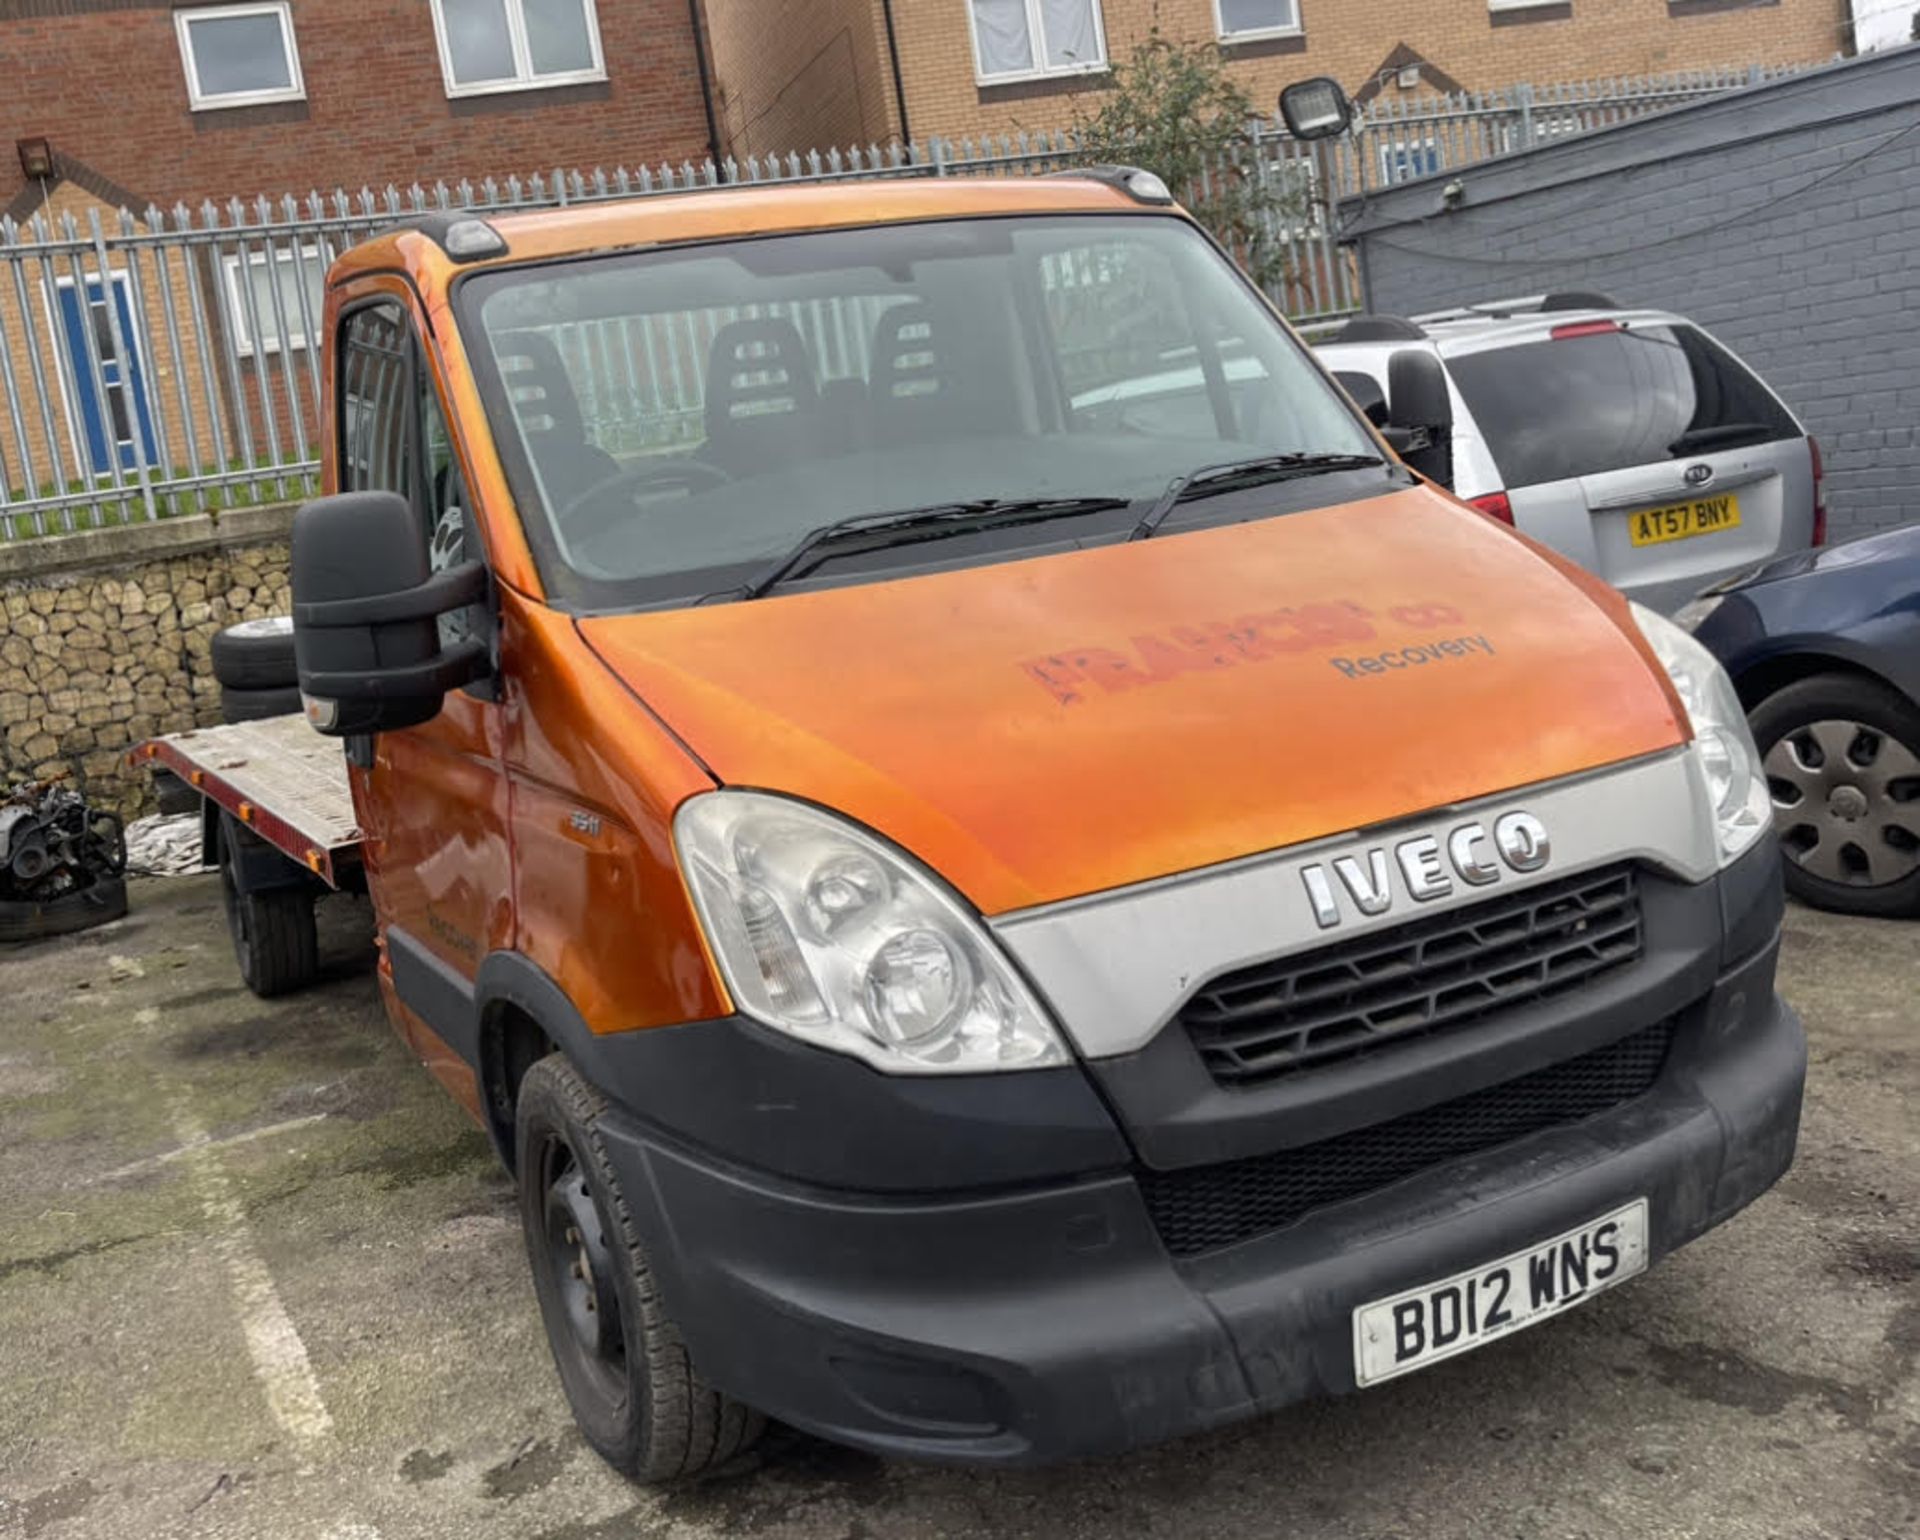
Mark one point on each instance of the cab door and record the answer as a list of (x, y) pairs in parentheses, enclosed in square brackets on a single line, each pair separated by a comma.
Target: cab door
[(432, 800)]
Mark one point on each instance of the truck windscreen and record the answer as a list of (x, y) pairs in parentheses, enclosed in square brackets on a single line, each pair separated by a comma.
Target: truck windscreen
[(673, 419)]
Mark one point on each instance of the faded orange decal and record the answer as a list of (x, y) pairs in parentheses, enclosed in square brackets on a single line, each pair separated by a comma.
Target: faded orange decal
[(1158, 657)]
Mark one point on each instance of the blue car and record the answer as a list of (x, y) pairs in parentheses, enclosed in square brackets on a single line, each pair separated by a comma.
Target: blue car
[(1824, 647)]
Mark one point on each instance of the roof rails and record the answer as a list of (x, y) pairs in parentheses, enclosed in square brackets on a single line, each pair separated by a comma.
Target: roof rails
[(1379, 328), (1528, 304)]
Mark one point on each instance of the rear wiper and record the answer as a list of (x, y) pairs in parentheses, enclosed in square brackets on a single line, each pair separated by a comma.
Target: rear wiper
[(1725, 433), (1232, 474), (874, 531)]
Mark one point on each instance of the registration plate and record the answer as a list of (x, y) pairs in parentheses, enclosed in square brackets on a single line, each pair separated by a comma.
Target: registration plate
[(1682, 521), (1439, 1320)]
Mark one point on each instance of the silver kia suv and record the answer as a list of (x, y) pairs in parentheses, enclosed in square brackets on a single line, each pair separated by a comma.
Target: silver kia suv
[(1628, 440)]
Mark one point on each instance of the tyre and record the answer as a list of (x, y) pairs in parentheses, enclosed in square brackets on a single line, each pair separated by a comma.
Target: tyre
[(255, 705), (99, 902), (275, 940), (173, 796), (637, 1398), (1842, 757), (255, 654)]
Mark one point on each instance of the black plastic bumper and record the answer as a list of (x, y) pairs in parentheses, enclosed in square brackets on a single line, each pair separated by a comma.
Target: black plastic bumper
[(1022, 1325)]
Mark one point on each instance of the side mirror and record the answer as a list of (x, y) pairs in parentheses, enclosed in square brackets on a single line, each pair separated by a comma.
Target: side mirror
[(364, 610), (1420, 413), (1316, 108)]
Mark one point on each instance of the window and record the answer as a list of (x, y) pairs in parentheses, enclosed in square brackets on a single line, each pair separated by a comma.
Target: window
[(1401, 160), (1028, 39), (394, 439), (516, 45), (1581, 406), (253, 322), (1243, 20), (672, 421), (239, 55)]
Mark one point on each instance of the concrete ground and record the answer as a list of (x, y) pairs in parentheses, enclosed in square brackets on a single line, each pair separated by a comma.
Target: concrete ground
[(258, 1277)]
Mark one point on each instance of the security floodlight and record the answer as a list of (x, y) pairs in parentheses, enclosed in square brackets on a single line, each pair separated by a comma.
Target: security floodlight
[(1316, 109)]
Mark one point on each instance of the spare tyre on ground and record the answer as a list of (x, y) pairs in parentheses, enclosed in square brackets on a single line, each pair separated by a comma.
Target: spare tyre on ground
[(253, 661), (255, 654), (252, 705)]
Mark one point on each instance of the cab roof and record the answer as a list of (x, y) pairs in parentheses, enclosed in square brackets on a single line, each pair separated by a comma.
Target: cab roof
[(665, 218)]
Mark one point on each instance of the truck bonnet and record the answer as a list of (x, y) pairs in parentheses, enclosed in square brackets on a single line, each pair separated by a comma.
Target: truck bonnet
[(1035, 730)]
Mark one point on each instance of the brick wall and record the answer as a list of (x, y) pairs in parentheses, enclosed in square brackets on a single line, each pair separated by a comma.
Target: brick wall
[(800, 74), (1465, 43), (1784, 219), (102, 79), (104, 636)]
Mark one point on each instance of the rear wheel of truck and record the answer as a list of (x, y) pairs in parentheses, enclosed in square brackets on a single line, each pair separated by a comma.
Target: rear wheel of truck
[(1842, 759), (638, 1399), (275, 940)]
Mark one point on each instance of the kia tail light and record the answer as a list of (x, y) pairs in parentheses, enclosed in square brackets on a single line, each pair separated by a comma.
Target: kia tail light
[(1819, 492), (1495, 506)]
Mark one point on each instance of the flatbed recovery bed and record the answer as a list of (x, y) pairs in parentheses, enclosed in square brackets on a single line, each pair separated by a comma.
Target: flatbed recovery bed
[(281, 779)]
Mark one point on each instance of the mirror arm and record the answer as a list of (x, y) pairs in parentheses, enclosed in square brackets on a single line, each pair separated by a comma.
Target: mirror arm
[(453, 589), (459, 664)]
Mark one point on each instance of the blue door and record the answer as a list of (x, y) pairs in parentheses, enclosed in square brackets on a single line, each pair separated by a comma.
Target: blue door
[(110, 425)]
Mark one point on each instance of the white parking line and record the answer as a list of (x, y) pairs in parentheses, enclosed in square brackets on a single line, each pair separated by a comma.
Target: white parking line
[(279, 1356), (245, 1136)]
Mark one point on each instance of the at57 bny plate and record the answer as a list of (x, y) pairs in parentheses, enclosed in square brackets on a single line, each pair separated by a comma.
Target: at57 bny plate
[(1681, 521), (1438, 1320)]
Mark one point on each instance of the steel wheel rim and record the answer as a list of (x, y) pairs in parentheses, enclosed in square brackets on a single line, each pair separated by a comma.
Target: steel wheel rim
[(579, 1268), (1846, 802), (237, 917)]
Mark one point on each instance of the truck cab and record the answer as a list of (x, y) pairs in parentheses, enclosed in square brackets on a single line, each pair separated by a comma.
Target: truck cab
[(1007, 879)]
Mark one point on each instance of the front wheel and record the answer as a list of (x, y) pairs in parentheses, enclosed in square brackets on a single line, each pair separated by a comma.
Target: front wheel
[(1842, 759), (636, 1396)]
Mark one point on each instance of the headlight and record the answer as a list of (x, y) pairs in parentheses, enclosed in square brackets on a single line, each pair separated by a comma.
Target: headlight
[(1722, 742), (832, 937)]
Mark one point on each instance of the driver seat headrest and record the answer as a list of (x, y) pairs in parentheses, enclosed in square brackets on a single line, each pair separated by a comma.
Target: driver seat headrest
[(762, 399)]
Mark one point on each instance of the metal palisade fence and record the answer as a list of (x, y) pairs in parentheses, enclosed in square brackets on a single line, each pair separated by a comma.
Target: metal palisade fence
[(160, 362)]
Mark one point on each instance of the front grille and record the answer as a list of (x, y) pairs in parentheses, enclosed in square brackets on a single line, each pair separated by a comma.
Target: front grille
[(1206, 1207), (1275, 1018)]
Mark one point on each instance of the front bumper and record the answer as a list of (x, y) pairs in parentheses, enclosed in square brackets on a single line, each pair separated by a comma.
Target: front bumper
[(1021, 1324)]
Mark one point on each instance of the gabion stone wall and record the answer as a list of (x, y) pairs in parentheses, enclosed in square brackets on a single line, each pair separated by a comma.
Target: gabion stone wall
[(104, 638)]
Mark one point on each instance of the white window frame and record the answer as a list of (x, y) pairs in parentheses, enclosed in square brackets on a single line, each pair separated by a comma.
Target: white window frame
[(523, 78), (198, 100), (1036, 37), (1521, 5), (245, 345), (1292, 28)]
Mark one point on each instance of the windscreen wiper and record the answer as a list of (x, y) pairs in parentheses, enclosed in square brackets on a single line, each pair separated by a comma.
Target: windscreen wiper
[(875, 531), (1231, 475)]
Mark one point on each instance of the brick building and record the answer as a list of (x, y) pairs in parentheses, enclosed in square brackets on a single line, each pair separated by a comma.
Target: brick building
[(158, 101), (794, 74), (111, 104)]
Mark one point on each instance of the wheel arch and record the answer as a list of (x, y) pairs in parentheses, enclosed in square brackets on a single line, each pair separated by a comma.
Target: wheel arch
[(523, 1016), (1773, 674)]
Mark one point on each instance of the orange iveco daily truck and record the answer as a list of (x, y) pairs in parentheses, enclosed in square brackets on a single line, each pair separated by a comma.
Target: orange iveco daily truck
[(1009, 875)]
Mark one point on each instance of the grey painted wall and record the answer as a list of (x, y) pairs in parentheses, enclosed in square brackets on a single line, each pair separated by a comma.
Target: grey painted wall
[(1785, 219)]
